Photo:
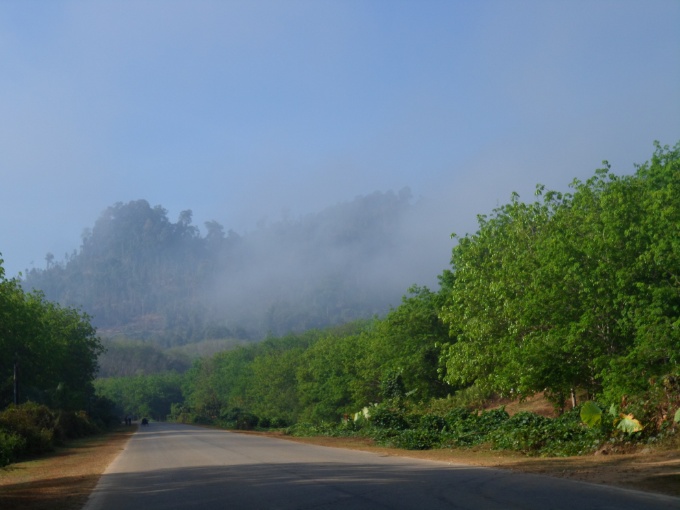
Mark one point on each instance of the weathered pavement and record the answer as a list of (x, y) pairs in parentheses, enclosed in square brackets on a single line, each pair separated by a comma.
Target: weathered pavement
[(172, 466)]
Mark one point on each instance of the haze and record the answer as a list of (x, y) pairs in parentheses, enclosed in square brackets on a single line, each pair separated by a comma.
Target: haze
[(248, 112)]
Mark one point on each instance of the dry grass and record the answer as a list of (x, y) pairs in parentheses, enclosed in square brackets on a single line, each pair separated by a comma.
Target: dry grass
[(62, 480), (535, 404)]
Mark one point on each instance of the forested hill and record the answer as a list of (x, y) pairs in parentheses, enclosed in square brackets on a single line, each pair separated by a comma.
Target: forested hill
[(139, 274)]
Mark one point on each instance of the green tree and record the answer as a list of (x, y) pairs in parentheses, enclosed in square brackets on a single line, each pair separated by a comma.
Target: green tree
[(576, 291), (407, 343), (493, 279), (148, 396), (331, 378), (274, 391), (56, 349), (218, 384), (651, 309)]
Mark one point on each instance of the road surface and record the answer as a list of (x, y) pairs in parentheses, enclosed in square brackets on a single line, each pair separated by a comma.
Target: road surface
[(170, 466)]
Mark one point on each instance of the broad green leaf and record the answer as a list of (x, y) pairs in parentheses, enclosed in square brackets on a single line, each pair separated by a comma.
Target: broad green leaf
[(628, 424), (677, 416), (591, 414)]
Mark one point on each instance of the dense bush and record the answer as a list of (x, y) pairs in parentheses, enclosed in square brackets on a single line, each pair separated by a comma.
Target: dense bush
[(11, 445), (34, 423), (525, 432), (305, 429), (32, 429), (386, 417), (416, 439), (71, 425), (272, 423), (238, 419), (466, 428)]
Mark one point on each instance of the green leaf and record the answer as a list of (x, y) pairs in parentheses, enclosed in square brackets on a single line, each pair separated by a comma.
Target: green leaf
[(629, 425), (677, 416), (591, 414)]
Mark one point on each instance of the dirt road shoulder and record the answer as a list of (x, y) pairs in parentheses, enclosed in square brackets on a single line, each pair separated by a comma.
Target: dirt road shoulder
[(64, 479)]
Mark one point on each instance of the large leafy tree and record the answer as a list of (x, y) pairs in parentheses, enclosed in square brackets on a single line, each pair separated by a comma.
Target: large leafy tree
[(574, 291), (404, 347), (651, 310), (334, 377), (494, 274), (274, 389), (54, 347)]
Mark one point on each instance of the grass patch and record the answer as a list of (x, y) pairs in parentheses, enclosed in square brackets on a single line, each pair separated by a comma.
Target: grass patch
[(64, 478)]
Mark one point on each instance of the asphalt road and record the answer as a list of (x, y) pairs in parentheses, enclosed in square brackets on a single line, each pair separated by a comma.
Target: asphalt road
[(171, 466)]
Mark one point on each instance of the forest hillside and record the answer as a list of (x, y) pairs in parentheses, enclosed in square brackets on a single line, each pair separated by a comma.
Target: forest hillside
[(141, 276)]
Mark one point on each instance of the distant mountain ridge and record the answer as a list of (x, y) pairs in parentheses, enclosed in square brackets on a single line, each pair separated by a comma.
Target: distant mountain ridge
[(142, 276)]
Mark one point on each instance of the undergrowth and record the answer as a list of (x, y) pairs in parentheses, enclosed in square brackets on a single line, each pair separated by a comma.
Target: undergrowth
[(31, 429), (392, 425)]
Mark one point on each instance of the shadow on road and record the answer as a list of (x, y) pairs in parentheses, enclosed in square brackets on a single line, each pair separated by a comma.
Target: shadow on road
[(65, 493), (354, 486)]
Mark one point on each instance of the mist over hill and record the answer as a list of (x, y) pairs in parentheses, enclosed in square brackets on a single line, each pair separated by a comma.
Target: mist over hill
[(142, 276)]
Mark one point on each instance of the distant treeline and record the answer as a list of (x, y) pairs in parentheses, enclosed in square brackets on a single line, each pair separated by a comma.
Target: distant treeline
[(576, 295), (141, 276)]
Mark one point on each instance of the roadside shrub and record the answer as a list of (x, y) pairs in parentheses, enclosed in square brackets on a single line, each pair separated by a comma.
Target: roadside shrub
[(11, 445), (181, 414), (490, 420), (456, 416), (305, 429), (524, 432), (199, 419), (272, 423), (34, 423), (569, 436), (103, 413), (416, 439), (238, 419), (461, 428), (533, 434), (656, 406), (70, 425), (384, 417), (428, 422)]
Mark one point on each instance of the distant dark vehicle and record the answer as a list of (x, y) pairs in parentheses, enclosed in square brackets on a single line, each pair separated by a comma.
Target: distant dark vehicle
[(145, 421)]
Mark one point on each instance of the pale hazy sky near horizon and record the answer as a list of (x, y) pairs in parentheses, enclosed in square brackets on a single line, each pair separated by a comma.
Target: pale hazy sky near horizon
[(240, 110)]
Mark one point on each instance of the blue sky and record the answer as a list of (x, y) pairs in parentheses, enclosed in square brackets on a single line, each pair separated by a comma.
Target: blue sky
[(241, 110)]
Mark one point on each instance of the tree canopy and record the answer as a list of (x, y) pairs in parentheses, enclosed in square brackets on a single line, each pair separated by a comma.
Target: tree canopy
[(574, 291), (53, 349)]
